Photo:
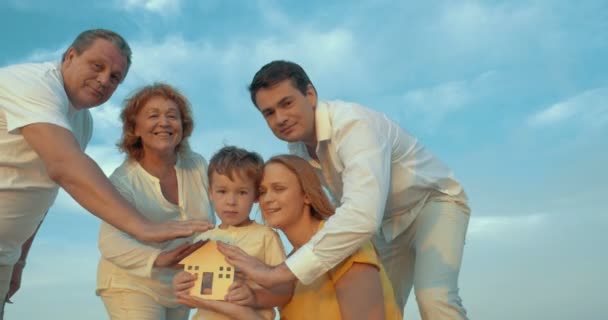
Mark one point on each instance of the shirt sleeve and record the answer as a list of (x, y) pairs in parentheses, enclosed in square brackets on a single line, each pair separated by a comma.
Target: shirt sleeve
[(30, 95), (366, 155), (123, 250), (274, 252)]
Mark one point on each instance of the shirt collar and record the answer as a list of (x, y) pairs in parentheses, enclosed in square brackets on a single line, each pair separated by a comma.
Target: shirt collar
[(322, 122)]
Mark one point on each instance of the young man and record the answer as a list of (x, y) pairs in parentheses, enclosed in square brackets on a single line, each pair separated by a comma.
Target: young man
[(45, 126), (386, 186)]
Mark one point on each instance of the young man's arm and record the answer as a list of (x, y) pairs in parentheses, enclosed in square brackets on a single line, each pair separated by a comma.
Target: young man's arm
[(366, 156), (82, 178), (365, 152)]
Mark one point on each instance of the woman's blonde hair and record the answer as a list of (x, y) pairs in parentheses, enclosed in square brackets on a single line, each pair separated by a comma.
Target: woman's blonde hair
[(320, 206)]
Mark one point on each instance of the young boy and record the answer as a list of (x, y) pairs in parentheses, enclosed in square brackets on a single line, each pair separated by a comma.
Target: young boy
[(234, 177)]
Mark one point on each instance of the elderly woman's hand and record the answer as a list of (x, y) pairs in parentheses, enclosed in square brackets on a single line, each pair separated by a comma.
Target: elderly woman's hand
[(170, 258)]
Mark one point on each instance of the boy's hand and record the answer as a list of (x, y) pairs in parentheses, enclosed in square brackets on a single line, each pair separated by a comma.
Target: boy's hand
[(182, 282), (240, 293)]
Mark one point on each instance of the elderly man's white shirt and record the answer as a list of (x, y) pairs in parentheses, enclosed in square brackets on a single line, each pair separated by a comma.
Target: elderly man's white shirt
[(378, 175), (30, 93)]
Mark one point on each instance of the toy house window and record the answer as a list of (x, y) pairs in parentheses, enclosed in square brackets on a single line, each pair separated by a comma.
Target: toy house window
[(207, 285), (221, 276), (195, 267), (189, 267), (221, 268), (228, 276), (227, 268)]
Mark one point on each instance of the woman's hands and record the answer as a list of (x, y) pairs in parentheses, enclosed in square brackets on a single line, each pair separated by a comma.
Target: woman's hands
[(254, 269)]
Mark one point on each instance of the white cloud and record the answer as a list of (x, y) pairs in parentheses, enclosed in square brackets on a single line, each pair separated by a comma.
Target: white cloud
[(435, 103), (589, 107), (497, 227), (162, 7), (106, 156), (473, 26), (107, 116)]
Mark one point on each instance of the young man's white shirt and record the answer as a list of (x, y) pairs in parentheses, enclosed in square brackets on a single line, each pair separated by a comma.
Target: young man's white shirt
[(378, 175)]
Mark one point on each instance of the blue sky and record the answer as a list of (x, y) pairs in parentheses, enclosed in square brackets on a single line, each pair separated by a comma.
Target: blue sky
[(513, 95)]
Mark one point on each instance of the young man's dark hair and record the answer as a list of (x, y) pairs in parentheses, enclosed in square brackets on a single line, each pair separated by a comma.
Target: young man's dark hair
[(277, 71)]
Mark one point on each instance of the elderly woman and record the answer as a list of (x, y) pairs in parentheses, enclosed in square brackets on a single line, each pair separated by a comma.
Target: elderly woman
[(164, 180), (292, 200)]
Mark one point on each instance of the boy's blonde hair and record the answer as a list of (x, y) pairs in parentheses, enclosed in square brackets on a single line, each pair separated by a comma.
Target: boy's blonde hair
[(231, 159)]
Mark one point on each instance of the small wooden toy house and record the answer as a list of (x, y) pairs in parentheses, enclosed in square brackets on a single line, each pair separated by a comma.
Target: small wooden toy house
[(214, 274)]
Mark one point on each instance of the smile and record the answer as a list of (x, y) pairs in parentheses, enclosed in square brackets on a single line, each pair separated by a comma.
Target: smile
[(288, 129)]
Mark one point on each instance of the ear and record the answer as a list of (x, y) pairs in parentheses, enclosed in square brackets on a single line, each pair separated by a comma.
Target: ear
[(306, 200), (70, 54), (311, 95)]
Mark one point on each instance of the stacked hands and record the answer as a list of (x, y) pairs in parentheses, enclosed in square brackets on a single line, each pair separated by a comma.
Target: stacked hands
[(169, 230), (239, 292)]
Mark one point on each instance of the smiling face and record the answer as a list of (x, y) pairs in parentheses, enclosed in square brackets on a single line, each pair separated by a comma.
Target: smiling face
[(289, 113), (91, 77), (232, 198), (282, 199), (159, 124)]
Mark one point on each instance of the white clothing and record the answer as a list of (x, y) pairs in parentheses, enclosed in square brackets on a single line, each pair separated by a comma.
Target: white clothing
[(428, 255), (127, 263), (379, 175), (124, 304), (29, 93), (256, 240)]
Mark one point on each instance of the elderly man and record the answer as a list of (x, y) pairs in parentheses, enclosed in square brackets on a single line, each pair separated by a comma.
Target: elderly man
[(45, 126)]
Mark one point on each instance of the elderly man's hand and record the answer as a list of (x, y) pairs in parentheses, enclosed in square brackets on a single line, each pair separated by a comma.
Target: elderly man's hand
[(169, 230)]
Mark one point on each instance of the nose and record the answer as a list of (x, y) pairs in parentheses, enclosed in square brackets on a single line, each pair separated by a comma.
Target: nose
[(103, 78), (281, 117), (164, 120), (265, 198), (230, 199)]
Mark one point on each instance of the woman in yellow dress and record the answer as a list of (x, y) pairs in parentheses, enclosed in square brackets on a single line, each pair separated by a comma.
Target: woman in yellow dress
[(292, 200)]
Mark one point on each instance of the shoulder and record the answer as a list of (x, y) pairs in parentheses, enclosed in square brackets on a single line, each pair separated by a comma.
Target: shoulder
[(366, 255), (341, 114), (192, 160), (33, 78), (124, 172)]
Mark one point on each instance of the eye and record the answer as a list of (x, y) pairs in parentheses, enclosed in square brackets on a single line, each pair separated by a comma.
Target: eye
[(268, 113), (115, 79), (262, 192)]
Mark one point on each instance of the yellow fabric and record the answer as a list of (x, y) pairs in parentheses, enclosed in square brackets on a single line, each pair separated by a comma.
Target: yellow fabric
[(319, 299), (256, 240)]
